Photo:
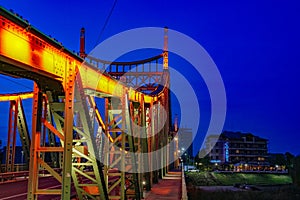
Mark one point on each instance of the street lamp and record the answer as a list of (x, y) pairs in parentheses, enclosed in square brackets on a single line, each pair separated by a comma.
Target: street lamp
[(22, 157)]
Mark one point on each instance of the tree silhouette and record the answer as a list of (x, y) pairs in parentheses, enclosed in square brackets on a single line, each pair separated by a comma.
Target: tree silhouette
[(295, 171)]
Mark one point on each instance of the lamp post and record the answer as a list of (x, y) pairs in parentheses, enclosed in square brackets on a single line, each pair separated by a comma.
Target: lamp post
[(22, 157), (176, 152)]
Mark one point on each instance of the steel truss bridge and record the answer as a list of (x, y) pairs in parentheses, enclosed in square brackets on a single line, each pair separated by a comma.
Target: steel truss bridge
[(70, 139)]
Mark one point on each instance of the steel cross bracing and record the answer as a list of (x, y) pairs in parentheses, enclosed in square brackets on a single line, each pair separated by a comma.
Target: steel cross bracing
[(11, 136), (16, 123), (143, 75), (98, 164)]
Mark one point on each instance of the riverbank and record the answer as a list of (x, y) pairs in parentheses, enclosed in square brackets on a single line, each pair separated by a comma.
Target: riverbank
[(230, 179), (240, 186), (283, 192)]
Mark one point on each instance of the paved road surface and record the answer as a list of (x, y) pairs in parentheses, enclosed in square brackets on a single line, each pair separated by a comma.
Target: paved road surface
[(18, 190)]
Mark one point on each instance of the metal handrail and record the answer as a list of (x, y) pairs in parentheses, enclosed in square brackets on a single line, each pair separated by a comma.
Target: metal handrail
[(12, 175), (183, 185)]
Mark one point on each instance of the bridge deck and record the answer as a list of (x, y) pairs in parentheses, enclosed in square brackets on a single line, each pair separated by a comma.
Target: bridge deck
[(169, 188)]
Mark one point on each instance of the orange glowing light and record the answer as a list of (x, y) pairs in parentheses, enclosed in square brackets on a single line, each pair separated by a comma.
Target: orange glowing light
[(41, 56), (15, 45), (14, 97)]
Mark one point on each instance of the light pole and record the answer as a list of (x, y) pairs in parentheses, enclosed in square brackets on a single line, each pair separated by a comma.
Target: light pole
[(22, 157), (176, 152)]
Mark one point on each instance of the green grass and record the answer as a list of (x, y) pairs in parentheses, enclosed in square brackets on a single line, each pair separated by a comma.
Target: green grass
[(278, 193), (213, 178)]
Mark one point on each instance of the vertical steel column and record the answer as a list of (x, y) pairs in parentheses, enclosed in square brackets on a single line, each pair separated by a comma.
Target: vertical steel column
[(165, 132), (68, 132), (130, 137), (23, 132), (106, 142), (43, 128), (169, 115), (133, 119), (145, 144), (166, 98), (149, 128), (160, 139), (11, 136), (35, 139), (162, 136), (154, 143), (165, 53), (123, 149), (168, 125)]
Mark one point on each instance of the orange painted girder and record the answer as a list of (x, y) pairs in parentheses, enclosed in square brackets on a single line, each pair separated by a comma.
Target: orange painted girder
[(14, 97), (38, 55)]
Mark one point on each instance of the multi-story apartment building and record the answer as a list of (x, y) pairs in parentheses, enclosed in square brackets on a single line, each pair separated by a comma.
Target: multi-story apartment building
[(236, 147)]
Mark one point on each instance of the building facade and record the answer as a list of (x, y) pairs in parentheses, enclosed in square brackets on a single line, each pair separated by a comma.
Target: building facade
[(185, 141), (237, 148)]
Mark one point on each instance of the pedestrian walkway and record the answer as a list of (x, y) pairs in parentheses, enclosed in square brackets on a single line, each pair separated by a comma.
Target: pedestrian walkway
[(169, 188)]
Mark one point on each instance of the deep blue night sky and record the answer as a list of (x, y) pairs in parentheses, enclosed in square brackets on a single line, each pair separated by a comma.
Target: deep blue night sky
[(255, 45)]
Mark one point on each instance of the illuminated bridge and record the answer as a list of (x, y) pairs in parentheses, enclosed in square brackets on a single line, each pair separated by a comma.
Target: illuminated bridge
[(89, 150)]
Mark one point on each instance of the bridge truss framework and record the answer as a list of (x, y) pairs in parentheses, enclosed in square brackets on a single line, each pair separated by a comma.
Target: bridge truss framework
[(63, 141)]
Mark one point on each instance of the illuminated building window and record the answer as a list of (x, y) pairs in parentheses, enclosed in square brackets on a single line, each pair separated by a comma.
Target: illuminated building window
[(226, 147), (261, 159)]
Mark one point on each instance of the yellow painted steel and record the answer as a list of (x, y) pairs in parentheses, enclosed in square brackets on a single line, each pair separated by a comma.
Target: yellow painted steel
[(13, 97), (24, 47), (34, 53)]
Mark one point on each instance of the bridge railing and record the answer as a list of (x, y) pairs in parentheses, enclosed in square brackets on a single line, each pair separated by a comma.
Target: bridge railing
[(9, 176), (16, 168), (183, 185), (12, 176)]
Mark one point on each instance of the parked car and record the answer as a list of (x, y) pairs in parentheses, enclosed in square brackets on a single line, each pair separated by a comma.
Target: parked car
[(193, 170)]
